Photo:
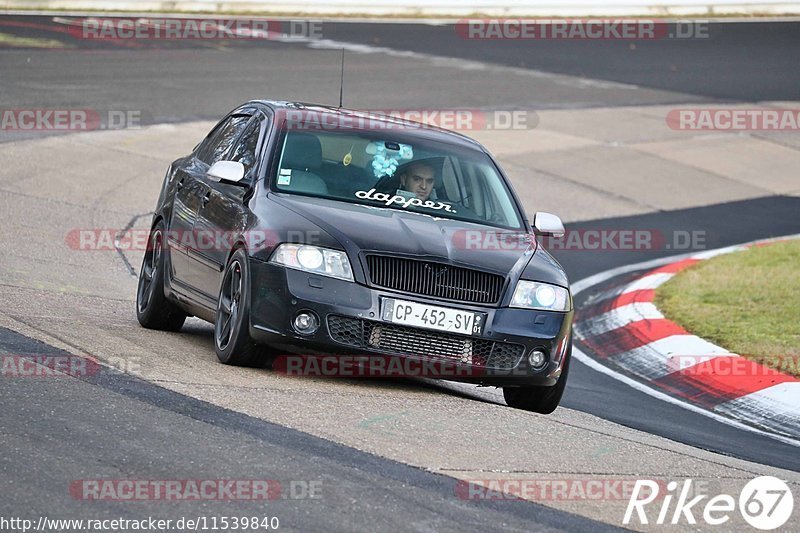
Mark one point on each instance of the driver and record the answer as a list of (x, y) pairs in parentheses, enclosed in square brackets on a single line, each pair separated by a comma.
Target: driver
[(418, 178)]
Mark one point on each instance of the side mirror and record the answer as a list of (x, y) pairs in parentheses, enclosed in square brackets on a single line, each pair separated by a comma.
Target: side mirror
[(547, 225), (231, 172)]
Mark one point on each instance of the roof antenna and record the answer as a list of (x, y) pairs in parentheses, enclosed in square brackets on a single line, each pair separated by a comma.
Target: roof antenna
[(341, 81)]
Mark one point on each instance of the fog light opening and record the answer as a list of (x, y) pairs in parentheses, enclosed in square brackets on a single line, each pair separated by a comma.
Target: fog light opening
[(537, 359), (306, 323)]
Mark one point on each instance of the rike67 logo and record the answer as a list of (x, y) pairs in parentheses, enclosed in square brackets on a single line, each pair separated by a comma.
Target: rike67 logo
[(765, 503)]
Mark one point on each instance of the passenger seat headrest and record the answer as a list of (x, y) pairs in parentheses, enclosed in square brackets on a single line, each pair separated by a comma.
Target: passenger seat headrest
[(303, 151)]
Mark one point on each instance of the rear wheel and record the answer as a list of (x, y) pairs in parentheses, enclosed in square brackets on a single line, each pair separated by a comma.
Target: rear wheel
[(232, 341), (153, 309), (539, 399)]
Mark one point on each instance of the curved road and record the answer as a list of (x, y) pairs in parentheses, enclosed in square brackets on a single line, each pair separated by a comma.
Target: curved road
[(175, 408)]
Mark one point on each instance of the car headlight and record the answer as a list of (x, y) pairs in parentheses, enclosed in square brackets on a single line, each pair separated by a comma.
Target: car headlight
[(322, 261), (536, 295)]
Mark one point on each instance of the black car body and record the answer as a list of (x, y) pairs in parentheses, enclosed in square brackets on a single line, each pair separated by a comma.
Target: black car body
[(212, 234)]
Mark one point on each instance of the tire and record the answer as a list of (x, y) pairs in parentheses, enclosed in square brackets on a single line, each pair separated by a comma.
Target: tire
[(153, 309), (542, 400), (232, 341)]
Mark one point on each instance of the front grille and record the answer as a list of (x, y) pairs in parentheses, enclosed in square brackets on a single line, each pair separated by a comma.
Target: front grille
[(435, 279), (402, 340)]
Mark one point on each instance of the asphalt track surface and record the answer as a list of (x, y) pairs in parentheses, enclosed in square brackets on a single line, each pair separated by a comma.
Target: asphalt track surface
[(158, 434), (178, 81), (750, 62), (745, 62)]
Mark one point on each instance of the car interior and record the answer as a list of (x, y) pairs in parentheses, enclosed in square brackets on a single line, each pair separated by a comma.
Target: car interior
[(338, 165)]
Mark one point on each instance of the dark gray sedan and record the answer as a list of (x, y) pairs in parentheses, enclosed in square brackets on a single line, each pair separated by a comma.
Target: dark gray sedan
[(322, 230)]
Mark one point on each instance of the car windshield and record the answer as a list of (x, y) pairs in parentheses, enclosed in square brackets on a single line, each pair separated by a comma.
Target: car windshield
[(395, 170)]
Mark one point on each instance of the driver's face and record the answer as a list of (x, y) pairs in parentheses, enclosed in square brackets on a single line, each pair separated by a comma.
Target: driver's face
[(419, 180)]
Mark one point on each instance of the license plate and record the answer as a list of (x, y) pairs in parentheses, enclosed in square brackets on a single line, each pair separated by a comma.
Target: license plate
[(432, 317)]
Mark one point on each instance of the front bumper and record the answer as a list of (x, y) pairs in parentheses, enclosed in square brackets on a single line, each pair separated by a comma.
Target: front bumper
[(350, 323)]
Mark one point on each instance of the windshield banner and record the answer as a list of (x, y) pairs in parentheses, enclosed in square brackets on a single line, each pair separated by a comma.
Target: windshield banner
[(400, 200)]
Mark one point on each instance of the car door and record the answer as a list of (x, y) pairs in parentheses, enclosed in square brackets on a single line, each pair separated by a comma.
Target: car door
[(223, 211), (195, 189), (186, 203)]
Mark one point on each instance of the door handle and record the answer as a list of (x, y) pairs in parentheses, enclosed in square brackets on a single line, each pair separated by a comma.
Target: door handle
[(206, 198)]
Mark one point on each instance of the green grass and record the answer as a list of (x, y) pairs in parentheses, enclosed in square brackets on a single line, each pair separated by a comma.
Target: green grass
[(8, 40), (747, 302)]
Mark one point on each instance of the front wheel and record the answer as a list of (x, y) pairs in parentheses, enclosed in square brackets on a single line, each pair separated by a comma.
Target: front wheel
[(232, 341), (153, 309), (542, 400)]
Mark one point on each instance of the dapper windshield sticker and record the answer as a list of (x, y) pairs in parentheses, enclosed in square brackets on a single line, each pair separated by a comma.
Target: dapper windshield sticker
[(402, 201)]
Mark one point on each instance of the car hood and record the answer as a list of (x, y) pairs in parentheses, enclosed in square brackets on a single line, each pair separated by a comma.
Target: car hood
[(360, 228)]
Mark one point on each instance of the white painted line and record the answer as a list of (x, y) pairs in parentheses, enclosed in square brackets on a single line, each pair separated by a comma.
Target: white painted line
[(671, 354), (720, 251), (619, 317), (785, 397), (652, 281), (683, 345), (775, 407)]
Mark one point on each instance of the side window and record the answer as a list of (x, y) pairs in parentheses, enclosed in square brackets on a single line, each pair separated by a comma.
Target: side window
[(219, 141), (245, 150)]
